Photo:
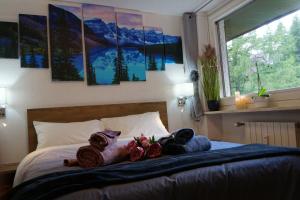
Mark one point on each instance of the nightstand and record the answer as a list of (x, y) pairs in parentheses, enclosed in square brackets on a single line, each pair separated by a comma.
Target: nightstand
[(7, 174)]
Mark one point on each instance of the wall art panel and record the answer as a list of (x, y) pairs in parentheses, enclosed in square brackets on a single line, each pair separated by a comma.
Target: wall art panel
[(100, 45), (33, 41), (131, 47), (8, 40), (154, 49), (173, 49), (66, 43)]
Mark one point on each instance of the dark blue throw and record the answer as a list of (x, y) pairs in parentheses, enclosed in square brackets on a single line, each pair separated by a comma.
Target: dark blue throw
[(60, 183)]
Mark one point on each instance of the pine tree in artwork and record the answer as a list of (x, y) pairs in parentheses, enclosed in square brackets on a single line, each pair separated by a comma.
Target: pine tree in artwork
[(121, 66), (163, 66), (152, 63), (163, 62), (24, 62), (135, 78), (116, 79), (90, 71), (32, 58), (124, 73), (45, 59)]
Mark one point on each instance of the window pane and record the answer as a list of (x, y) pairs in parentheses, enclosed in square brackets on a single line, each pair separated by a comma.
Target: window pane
[(271, 52)]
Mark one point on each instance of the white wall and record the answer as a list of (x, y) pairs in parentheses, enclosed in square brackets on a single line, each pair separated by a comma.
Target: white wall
[(33, 88)]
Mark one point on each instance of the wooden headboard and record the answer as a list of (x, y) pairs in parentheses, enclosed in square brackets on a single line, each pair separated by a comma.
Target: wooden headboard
[(84, 113)]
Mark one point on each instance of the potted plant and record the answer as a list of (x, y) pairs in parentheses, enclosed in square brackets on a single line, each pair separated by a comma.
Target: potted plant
[(260, 100), (210, 78)]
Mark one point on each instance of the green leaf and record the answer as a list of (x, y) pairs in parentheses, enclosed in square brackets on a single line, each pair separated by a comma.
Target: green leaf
[(262, 92)]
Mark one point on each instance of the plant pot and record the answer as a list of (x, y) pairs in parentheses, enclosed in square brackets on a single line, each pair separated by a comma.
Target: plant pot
[(213, 105), (260, 102)]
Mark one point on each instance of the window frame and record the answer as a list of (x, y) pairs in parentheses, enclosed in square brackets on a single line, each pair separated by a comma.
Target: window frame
[(218, 34), (223, 57)]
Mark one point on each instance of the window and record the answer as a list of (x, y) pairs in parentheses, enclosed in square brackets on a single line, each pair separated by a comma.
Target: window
[(262, 51)]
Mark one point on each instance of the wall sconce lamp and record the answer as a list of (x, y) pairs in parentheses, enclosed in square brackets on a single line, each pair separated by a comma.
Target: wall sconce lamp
[(183, 92), (2, 101)]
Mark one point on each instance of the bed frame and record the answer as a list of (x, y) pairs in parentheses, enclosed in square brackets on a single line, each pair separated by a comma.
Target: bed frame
[(83, 113)]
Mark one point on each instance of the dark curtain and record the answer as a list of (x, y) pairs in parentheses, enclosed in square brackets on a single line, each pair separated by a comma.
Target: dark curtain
[(191, 55)]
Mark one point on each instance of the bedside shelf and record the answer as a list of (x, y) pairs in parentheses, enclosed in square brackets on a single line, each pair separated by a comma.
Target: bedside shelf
[(8, 168), (7, 173), (253, 110)]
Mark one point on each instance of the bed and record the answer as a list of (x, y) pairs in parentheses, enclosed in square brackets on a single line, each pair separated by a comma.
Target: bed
[(227, 171)]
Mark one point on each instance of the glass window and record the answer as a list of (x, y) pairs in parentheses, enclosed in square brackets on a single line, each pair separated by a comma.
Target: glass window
[(268, 56), (260, 47)]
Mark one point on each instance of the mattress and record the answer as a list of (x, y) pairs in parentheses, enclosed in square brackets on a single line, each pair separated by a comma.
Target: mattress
[(268, 178)]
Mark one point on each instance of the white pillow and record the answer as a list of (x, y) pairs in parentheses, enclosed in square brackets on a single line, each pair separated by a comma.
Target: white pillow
[(131, 126), (55, 134)]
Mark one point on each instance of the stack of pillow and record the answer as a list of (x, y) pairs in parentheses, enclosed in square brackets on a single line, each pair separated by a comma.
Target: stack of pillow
[(56, 134)]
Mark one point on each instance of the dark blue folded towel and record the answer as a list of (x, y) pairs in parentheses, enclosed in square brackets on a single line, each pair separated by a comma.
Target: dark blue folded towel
[(181, 136), (197, 143)]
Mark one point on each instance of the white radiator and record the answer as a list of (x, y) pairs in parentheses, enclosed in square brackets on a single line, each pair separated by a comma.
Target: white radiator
[(273, 133)]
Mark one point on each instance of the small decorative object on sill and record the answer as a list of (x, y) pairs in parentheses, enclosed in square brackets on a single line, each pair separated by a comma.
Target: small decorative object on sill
[(210, 78), (261, 100), (241, 102)]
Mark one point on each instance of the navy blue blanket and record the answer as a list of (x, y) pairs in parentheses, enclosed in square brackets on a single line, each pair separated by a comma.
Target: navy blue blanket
[(57, 184)]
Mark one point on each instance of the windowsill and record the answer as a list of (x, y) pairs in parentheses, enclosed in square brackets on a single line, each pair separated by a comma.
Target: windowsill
[(297, 89), (285, 95), (254, 110), (280, 100)]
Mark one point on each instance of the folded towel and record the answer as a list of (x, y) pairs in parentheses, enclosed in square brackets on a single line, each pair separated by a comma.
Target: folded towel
[(71, 162), (181, 136), (197, 143), (90, 156), (103, 139)]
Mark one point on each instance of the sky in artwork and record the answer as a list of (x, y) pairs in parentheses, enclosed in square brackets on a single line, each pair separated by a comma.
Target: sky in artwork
[(106, 13), (129, 20)]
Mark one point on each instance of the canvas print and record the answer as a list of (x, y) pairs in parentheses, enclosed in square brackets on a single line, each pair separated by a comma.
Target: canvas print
[(33, 41), (154, 49), (66, 43), (173, 49), (8, 40), (131, 49), (100, 45)]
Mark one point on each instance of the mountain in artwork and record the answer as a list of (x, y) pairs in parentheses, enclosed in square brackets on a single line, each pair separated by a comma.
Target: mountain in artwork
[(97, 28)]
